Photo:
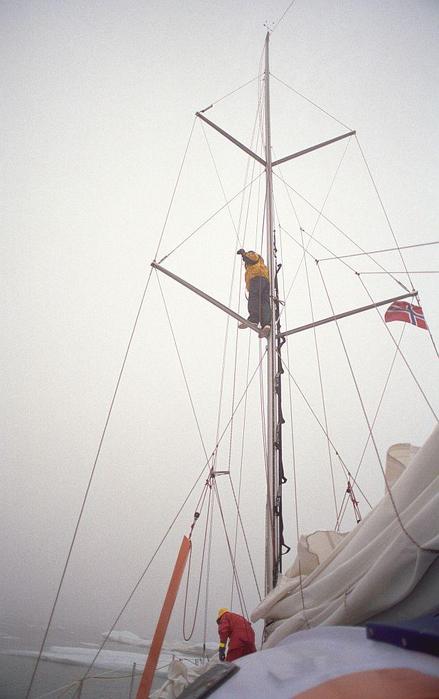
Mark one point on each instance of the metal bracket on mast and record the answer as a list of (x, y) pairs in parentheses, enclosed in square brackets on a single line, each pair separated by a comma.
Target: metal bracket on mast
[(205, 296), (232, 139), (311, 148), (346, 314)]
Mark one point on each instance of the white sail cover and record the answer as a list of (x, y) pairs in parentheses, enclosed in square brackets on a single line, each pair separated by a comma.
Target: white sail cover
[(398, 458), (374, 568), (179, 676), (309, 659)]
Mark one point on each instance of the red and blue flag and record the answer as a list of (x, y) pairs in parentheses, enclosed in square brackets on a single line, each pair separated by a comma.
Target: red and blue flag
[(407, 312)]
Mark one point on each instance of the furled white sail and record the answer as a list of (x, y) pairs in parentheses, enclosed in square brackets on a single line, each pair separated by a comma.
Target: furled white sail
[(376, 566), (398, 458)]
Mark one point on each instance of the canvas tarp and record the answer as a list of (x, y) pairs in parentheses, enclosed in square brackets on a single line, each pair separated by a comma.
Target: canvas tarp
[(398, 458), (309, 658), (374, 567)]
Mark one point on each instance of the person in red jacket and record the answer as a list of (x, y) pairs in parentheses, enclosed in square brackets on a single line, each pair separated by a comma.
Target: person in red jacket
[(238, 632)]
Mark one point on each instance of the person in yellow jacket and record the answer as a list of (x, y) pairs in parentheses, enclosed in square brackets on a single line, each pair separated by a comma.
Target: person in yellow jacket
[(258, 287)]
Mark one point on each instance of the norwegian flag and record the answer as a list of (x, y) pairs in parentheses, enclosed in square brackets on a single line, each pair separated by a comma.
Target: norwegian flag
[(401, 310)]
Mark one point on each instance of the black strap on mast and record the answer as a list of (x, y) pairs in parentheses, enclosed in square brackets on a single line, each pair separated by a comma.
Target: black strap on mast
[(280, 341)]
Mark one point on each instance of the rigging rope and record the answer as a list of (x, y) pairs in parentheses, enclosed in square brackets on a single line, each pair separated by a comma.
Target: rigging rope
[(254, 145), (220, 399), (244, 422), (337, 228), (175, 189), (220, 184), (314, 414), (304, 261), (237, 499), (103, 434), (140, 579), (345, 235), (376, 252), (206, 607), (234, 569), (354, 501), (169, 529), (88, 488), (280, 341), (314, 104), (137, 585), (232, 92), (239, 518), (319, 212), (384, 211), (276, 24), (401, 354), (247, 365), (398, 517), (182, 367), (206, 221), (416, 271), (343, 506), (293, 453), (187, 636), (230, 296), (286, 295), (221, 391), (429, 331), (117, 386), (319, 368)]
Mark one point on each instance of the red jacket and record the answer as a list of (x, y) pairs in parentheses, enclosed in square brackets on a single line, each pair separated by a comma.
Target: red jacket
[(238, 630)]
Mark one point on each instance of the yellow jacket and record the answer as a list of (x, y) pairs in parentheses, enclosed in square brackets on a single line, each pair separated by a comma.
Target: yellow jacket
[(254, 267)]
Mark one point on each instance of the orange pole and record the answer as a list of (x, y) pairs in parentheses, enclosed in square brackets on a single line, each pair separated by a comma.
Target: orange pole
[(162, 625)]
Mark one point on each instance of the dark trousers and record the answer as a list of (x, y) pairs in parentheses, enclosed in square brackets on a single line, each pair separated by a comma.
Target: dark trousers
[(259, 301)]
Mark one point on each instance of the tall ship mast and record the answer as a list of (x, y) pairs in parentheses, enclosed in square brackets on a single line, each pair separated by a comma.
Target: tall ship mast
[(294, 599), (274, 488)]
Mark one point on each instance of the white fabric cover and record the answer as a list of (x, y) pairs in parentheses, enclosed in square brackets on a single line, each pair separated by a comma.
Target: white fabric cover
[(398, 458), (179, 676), (312, 550), (177, 680), (374, 567), (309, 658)]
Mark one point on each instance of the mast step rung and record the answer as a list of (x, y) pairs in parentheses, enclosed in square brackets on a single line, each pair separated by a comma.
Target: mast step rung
[(221, 473)]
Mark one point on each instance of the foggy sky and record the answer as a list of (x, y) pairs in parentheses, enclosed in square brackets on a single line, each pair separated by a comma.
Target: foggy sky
[(98, 103)]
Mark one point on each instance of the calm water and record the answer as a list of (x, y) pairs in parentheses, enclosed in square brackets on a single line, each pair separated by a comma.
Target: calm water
[(16, 672), (52, 679)]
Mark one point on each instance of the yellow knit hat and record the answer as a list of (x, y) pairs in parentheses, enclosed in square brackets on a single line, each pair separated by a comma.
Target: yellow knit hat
[(221, 611)]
